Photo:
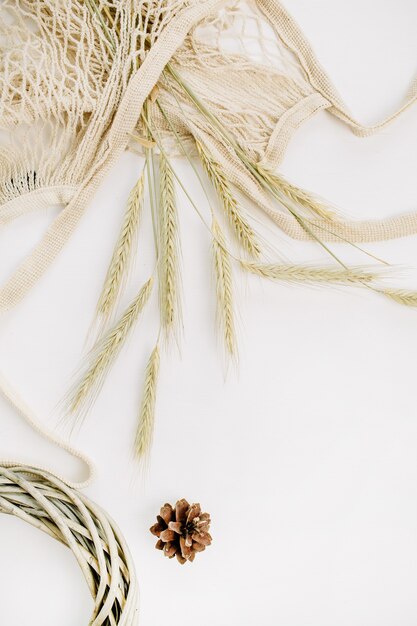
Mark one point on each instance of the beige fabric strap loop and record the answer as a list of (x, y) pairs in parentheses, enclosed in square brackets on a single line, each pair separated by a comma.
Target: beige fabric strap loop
[(286, 127), (26, 412), (353, 231), (35, 201), (296, 41)]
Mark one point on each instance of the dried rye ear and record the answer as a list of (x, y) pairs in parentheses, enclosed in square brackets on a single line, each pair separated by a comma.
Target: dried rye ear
[(312, 274), (224, 289), (103, 355), (401, 296), (299, 196), (123, 252), (242, 229), (144, 434), (169, 252)]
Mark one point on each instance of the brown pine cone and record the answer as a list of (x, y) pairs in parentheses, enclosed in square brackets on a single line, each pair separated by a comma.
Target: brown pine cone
[(182, 531)]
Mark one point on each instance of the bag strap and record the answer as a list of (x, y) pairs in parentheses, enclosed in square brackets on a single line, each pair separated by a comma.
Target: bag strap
[(30, 418), (294, 39)]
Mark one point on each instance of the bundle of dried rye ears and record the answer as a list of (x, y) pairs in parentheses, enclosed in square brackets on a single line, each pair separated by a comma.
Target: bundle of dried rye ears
[(83, 80)]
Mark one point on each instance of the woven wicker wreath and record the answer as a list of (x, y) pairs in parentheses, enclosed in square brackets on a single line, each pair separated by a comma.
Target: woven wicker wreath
[(46, 503)]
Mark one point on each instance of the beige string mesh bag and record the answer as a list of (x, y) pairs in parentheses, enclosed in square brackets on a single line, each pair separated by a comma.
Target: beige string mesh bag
[(71, 90), (74, 77), (229, 80)]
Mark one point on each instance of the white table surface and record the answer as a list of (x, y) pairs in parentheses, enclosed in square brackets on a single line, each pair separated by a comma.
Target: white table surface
[(306, 455)]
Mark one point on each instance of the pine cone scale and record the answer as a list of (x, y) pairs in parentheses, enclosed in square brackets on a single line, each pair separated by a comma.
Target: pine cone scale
[(194, 511), (198, 547), (203, 538), (175, 526), (166, 514), (156, 529), (185, 550), (170, 550), (181, 509), (167, 535)]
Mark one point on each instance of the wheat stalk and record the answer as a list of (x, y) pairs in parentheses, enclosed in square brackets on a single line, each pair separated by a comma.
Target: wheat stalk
[(224, 288), (244, 232), (300, 273), (401, 296), (122, 254), (144, 434), (108, 35), (103, 356), (169, 248), (299, 196)]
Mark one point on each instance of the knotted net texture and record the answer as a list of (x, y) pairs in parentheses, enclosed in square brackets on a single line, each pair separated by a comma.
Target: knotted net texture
[(235, 63), (67, 516), (63, 73)]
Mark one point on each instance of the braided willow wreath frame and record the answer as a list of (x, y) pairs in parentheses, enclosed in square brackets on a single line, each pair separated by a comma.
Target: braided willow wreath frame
[(46, 503)]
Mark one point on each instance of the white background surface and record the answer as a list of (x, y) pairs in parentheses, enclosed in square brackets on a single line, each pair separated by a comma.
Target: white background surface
[(306, 457)]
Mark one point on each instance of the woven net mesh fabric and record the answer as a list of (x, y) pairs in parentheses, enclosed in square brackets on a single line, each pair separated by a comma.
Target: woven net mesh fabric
[(63, 72), (240, 28), (228, 60), (64, 69)]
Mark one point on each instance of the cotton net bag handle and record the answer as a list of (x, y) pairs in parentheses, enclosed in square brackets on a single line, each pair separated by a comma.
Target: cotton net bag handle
[(24, 410), (295, 40)]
